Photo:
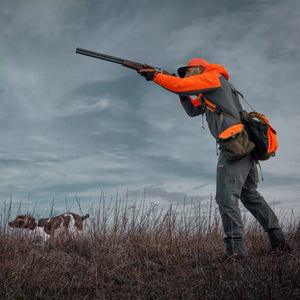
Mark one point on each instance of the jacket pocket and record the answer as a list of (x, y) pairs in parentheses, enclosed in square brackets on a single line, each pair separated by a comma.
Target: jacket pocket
[(235, 143)]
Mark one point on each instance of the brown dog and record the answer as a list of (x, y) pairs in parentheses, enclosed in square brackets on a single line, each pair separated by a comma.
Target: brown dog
[(45, 228)]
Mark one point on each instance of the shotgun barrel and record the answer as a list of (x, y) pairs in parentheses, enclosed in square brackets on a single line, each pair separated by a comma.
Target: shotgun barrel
[(126, 63)]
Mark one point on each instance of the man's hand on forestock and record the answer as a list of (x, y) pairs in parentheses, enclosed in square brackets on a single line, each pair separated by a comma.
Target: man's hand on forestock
[(148, 72)]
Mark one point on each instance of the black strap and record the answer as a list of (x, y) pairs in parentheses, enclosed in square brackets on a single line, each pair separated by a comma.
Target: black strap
[(237, 92)]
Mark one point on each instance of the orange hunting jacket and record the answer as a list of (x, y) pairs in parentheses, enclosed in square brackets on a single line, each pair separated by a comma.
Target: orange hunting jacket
[(213, 91)]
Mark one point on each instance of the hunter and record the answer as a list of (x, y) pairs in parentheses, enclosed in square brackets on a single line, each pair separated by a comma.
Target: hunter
[(236, 180)]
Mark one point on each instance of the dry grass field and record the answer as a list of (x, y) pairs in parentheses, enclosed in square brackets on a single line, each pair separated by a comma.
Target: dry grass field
[(136, 253)]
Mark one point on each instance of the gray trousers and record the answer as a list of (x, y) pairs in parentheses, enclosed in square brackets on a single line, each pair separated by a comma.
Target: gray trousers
[(237, 181)]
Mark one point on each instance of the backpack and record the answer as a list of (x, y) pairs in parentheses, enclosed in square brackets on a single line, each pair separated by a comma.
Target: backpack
[(260, 140), (261, 133), (252, 134)]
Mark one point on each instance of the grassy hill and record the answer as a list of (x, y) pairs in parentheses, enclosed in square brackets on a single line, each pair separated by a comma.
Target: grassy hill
[(128, 253)]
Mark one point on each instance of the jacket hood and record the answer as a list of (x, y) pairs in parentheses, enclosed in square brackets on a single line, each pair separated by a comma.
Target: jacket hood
[(217, 68)]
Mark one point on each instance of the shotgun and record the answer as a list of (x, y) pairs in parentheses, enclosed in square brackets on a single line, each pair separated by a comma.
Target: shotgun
[(126, 63)]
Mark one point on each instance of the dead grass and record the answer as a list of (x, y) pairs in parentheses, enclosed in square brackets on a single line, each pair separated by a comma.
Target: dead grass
[(130, 252)]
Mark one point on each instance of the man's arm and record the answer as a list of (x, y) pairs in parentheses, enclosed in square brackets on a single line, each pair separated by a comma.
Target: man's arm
[(192, 85), (193, 107)]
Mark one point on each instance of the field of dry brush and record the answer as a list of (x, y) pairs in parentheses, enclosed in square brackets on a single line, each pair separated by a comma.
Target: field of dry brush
[(128, 253)]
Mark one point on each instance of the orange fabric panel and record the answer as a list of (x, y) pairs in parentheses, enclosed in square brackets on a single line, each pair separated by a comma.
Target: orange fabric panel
[(196, 101), (230, 131), (203, 81), (273, 143), (210, 109), (209, 103)]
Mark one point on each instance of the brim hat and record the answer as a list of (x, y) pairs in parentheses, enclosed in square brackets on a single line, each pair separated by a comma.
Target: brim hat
[(196, 62)]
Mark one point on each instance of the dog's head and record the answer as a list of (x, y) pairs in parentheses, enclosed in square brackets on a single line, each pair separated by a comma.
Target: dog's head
[(23, 221)]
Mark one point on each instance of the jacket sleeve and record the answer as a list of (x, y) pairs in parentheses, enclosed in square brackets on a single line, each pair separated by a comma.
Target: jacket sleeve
[(192, 85), (193, 107)]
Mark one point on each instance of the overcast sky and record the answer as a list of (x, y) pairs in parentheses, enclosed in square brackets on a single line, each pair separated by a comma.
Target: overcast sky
[(73, 126)]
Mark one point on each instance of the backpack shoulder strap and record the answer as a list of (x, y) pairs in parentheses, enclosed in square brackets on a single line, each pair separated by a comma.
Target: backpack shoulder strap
[(235, 90), (239, 93)]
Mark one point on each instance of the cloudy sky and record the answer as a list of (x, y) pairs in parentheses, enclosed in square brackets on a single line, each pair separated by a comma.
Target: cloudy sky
[(74, 126)]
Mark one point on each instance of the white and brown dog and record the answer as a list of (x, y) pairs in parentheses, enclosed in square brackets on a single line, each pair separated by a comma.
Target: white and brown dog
[(50, 227)]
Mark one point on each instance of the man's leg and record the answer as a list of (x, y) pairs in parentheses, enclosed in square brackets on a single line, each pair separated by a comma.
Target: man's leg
[(261, 210), (231, 177)]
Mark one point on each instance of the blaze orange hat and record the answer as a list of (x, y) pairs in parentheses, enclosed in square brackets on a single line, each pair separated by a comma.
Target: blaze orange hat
[(196, 62)]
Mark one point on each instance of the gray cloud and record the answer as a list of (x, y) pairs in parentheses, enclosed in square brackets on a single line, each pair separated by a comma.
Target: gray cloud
[(71, 124)]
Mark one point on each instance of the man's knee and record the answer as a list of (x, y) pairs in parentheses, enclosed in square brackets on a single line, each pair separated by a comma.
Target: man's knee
[(250, 195)]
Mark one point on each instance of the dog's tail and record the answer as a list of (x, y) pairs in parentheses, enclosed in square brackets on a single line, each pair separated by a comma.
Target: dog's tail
[(85, 217)]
